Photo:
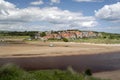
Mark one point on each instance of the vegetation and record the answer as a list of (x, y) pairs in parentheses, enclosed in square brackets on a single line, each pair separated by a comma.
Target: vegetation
[(13, 72), (107, 38), (110, 36), (17, 33), (98, 40), (14, 37), (42, 34), (65, 39), (88, 72), (103, 37)]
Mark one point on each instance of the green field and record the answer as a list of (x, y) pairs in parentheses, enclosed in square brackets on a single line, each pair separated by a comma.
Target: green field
[(98, 41), (14, 37), (13, 72)]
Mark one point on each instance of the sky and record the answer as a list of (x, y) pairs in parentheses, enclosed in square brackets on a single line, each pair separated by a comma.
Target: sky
[(47, 15)]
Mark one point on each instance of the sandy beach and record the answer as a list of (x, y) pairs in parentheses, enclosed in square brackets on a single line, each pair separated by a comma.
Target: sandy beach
[(57, 49)]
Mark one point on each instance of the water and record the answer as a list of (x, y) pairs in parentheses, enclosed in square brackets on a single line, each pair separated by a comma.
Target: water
[(96, 62)]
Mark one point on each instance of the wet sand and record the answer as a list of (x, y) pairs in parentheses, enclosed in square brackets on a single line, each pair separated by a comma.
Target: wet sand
[(112, 75)]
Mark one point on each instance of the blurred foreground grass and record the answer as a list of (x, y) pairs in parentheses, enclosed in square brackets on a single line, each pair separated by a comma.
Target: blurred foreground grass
[(13, 72)]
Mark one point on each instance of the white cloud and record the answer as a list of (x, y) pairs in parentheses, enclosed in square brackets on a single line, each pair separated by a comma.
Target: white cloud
[(109, 12), (39, 2), (55, 1), (89, 0), (53, 16)]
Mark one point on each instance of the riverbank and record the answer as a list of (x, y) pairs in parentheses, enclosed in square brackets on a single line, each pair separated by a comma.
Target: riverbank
[(113, 75)]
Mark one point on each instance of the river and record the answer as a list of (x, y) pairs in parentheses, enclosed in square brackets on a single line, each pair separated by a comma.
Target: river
[(95, 62)]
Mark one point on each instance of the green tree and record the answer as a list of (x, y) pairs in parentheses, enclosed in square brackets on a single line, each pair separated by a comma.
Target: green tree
[(42, 34)]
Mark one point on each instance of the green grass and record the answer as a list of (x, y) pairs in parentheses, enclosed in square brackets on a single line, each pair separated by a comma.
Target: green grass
[(14, 37), (98, 40), (87, 40), (13, 72)]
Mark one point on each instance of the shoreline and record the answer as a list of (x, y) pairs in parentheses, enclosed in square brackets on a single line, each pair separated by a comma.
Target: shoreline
[(112, 75)]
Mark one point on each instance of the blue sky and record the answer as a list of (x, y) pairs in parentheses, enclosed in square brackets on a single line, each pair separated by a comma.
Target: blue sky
[(42, 15)]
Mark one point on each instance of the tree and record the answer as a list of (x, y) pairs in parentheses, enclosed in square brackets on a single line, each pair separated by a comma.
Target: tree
[(42, 34)]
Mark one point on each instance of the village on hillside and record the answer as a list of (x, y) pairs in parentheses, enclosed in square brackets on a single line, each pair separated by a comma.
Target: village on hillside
[(68, 34)]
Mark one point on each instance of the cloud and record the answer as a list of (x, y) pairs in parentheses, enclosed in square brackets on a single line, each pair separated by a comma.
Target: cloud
[(109, 12), (39, 2), (52, 17), (89, 0), (55, 1)]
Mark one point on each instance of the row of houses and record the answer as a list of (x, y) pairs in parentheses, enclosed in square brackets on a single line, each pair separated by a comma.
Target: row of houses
[(67, 34)]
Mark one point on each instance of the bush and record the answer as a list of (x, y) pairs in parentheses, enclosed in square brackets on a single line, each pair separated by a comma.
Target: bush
[(88, 72), (13, 72), (65, 39)]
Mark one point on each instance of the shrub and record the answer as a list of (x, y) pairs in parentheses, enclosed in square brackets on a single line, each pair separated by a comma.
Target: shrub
[(65, 39), (88, 72), (13, 72)]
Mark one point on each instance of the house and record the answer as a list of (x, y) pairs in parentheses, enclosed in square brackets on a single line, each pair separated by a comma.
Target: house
[(57, 36), (92, 34), (49, 36), (78, 34), (70, 34), (85, 34)]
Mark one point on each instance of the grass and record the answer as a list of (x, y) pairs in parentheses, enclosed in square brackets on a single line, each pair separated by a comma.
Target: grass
[(98, 40), (14, 37), (86, 40), (13, 72)]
